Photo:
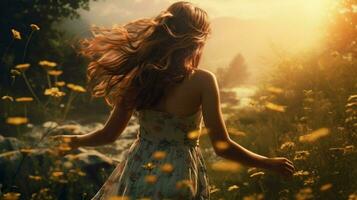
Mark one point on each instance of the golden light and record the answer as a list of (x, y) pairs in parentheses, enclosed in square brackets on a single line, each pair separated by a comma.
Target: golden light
[(250, 27)]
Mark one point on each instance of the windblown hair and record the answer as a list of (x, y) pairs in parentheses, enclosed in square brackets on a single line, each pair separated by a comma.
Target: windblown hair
[(143, 58)]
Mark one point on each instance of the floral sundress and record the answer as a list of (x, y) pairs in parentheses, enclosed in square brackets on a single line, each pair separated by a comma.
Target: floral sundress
[(164, 162)]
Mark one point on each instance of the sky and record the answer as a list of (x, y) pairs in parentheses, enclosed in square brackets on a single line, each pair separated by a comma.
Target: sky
[(257, 29)]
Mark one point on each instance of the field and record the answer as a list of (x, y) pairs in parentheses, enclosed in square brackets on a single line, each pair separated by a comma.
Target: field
[(304, 108)]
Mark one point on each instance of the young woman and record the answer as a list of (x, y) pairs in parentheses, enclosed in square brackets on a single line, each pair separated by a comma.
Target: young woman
[(149, 67)]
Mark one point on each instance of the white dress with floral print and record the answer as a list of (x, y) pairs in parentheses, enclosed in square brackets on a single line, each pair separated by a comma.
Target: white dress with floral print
[(164, 162)]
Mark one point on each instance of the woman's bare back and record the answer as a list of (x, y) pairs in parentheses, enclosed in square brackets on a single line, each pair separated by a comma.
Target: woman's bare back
[(182, 99)]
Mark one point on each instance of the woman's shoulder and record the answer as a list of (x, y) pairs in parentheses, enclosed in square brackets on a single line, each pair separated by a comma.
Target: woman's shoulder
[(203, 80), (203, 75)]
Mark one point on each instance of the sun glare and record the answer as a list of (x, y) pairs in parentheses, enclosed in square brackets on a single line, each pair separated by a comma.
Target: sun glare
[(316, 10)]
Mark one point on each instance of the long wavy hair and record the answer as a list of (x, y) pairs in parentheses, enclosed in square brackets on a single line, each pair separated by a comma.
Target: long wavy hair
[(138, 61)]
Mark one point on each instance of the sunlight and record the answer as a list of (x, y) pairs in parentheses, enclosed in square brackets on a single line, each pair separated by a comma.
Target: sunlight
[(316, 10), (250, 27), (284, 84)]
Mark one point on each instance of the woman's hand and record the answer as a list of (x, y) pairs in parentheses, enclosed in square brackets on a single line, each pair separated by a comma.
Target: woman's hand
[(281, 165), (70, 140)]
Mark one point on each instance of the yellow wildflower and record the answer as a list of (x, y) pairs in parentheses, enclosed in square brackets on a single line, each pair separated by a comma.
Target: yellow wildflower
[(119, 198), (22, 67), (57, 174), (60, 83), (301, 173), (167, 167), (309, 181), (233, 187), (36, 178), (275, 107), (46, 63), (204, 131), (6, 97), (71, 156), (326, 187), (226, 166), (76, 88), (257, 174), (15, 72), (352, 196), (287, 145), (193, 134), (150, 178), (8, 154), (236, 132), (301, 155), (305, 193), (16, 34), (34, 27), (24, 99), (221, 145), (80, 172), (315, 135), (159, 155), (11, 196), (64, 147), (54, 91), (275, 90), (348, 149), (184, 183), (54, 72), (252, 170), (67, 164), (70, 85), (27, 151), (254, 196), (17, 120), (214, 189), (66, 139)]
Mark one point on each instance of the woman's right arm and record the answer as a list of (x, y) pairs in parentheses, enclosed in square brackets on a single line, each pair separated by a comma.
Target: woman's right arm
[(222, 144)]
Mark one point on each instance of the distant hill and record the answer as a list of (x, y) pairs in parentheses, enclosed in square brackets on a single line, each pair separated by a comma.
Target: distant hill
[(231, 36)]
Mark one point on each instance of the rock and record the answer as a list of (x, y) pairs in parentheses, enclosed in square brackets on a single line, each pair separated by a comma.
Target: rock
[(79, 172), (9, 144), (74, 174)]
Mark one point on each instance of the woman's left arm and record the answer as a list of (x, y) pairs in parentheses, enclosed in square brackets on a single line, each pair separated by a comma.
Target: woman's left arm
[(114, 126)]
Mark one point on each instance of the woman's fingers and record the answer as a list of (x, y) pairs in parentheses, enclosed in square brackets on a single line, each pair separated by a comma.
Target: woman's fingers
[(284, 166), (291, 170), (287, 160), (290, 166)]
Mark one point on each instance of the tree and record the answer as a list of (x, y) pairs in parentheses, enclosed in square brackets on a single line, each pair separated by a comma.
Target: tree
[(48, 43), (233, 75), (342, 30)]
